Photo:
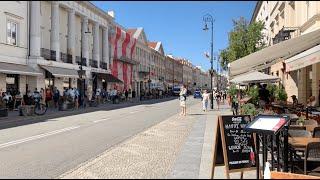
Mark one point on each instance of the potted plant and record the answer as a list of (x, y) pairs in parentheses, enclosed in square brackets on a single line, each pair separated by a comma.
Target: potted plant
[(271, 88), (253, 92), (249, 109), (300, 121), (281, 95), (3, 109)]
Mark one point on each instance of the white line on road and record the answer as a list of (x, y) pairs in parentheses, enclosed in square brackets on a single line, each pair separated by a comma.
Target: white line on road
[(11, 143), (134, 112), (105, 119)]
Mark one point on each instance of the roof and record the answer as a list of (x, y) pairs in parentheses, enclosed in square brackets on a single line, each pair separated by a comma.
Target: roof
[(256, 10), (131, 31), (272, 54), (254, 77), (152, 44)]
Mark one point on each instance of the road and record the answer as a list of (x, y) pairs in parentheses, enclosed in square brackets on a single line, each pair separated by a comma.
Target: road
[(51, 148)]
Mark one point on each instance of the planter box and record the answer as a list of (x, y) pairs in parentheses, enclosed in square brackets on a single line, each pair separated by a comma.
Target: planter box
[(3, 112), (26, 110)]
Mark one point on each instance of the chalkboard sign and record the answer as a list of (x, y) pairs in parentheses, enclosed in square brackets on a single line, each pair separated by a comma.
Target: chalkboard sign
[(239, 143), (236, 144)]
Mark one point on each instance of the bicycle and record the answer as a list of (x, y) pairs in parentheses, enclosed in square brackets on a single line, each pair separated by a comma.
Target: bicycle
[(39, 108)]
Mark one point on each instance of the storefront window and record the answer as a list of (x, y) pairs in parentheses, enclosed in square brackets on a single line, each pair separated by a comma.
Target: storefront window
[(12, 83)]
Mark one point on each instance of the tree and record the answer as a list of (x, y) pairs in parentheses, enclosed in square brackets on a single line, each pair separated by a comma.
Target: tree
[(244, 39)]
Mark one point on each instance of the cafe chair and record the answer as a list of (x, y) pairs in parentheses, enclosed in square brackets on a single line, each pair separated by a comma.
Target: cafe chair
[(311, 160), (315, 172), (316, 132)]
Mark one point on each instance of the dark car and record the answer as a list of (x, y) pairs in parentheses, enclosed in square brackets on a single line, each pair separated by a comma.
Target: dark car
[(197, 94)]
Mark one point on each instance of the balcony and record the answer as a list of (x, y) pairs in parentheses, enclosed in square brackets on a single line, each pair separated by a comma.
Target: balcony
[(66, 58), (104, 65), (78, 61), (93, 63), (48, 54)]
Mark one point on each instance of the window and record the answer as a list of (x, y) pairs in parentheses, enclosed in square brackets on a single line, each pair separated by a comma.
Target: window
[(12, 33)]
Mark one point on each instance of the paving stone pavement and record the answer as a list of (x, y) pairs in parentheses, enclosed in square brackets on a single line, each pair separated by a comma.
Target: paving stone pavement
[(149, 154)]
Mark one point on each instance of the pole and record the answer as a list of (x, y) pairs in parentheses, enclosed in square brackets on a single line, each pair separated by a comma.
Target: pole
[(211, 60)]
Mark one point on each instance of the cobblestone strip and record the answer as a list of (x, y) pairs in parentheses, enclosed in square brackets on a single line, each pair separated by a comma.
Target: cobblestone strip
[(149, 154)]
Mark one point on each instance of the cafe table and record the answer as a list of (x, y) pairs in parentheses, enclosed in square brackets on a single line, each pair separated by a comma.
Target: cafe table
[(300, 143), (284, 175)]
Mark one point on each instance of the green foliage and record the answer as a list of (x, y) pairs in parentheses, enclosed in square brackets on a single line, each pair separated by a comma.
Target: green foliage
[(244, 39), (232, 90), (271, 88), (249, 109), (301, 120), (280, 94), (253, 92)]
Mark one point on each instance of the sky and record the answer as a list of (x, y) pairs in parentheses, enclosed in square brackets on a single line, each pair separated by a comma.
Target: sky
[(179, 24)]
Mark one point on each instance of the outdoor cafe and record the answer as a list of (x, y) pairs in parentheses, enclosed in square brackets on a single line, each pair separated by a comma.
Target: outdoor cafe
[(293, 149)]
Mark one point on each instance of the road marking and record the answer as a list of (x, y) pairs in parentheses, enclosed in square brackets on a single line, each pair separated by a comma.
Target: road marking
[(100, 120), (134, 112), (11, 143)]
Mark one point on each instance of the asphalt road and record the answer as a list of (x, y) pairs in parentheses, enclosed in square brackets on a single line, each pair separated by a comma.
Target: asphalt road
[(51, 148)]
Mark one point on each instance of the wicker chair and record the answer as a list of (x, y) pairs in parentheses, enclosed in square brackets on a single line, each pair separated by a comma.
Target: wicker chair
[(312, 155), (316, 132)]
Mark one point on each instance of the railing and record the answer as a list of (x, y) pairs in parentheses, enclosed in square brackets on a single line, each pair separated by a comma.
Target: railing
[(93, 63), (84, 61), (48, 54), (66, 58), (104, 65)]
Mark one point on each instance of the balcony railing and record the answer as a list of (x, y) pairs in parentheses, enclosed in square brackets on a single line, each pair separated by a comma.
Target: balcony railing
[(66, 58), (78, 61), (93, 63), (104, 65), (48, 54)]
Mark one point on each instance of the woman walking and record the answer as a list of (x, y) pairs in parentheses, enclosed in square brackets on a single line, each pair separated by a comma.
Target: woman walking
[(205, 100), (183, 98)]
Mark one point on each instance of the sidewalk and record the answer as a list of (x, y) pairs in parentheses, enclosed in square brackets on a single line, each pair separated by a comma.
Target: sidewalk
[(14, 119), (179, 147)]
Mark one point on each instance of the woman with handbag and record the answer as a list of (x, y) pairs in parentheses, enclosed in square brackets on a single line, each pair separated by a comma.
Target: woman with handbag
[(183, 99)]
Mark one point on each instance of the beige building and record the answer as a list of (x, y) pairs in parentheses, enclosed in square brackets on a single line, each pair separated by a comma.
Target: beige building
[(285, 20), (187, 72), (15, 74), (169, 71), (157, 65)]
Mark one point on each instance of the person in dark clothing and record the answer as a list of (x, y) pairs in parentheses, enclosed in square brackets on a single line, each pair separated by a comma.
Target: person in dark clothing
[(126, 93)]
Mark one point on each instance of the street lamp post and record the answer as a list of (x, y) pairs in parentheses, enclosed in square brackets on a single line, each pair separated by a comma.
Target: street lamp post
[(209, 19), (81, 72)]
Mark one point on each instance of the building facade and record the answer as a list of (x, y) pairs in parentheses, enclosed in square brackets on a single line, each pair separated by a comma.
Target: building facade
[(169, 71), (287, 20)]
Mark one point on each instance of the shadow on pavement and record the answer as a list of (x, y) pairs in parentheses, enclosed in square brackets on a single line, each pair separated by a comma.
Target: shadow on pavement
[(10, 122)]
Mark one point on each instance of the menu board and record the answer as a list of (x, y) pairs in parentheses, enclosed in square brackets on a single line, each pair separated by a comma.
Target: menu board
[(266, 124), (239, 144)]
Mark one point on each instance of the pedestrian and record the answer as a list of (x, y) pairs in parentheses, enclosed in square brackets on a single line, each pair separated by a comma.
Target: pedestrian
[(235, 103), (205, 100), (76, 98), (183, 99), (217, 94), (48, 96), (130, 95), (56, 96), (126, 93)]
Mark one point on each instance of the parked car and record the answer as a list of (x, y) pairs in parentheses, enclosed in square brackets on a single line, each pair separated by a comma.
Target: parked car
[(176, 91), (197, 94)]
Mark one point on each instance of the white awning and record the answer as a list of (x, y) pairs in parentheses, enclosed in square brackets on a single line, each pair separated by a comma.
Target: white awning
[(304, 59), (268, 56), (254, 77), (9, 68), (61, 72)]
